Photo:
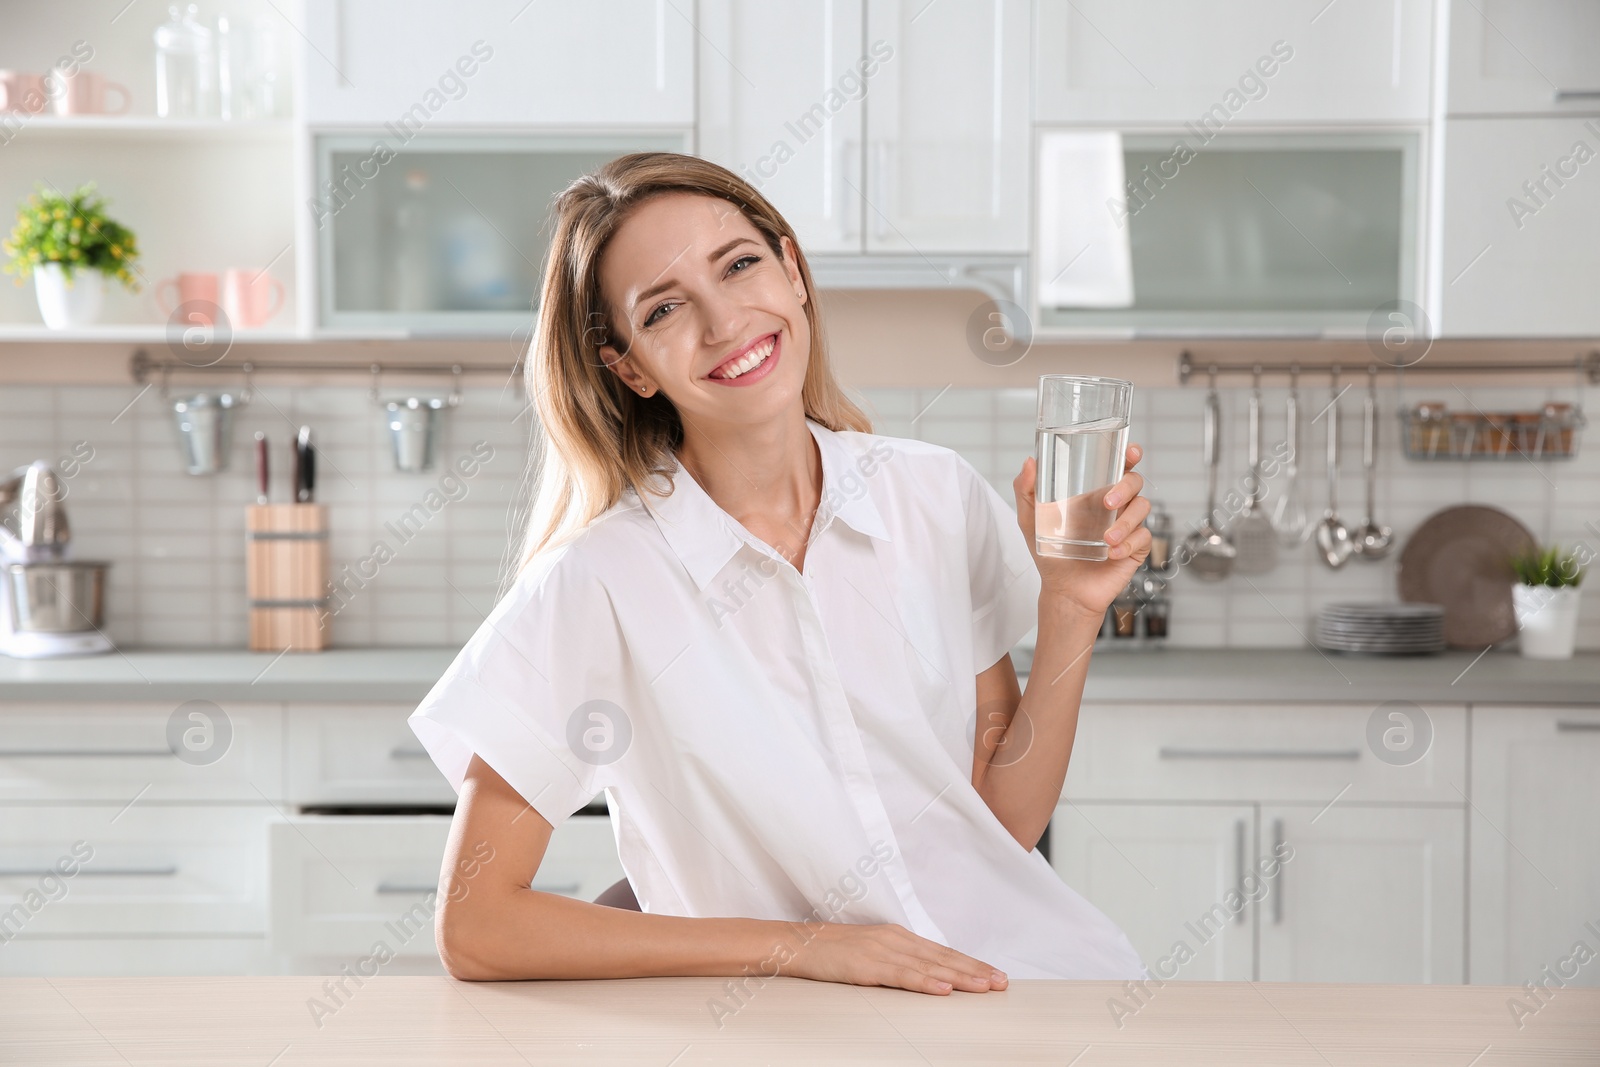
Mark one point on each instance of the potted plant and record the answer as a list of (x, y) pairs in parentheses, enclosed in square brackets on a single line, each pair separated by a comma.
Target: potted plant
[(69, 245), (1546, 600)]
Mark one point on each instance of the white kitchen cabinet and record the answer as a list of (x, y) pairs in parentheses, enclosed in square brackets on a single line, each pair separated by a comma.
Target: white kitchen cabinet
[(1371, 894), (863, 132), (1177, 61), (947, 143), (341, 884), (1524, 56), (421, 64), (122, 753), (150, 869), (789, 120), (1521, 243), (1535, 842), (360, 754), (1205, 752), (1164, 873)]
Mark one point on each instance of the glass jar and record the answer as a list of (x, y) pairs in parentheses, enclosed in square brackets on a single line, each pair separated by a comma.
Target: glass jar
[(1160, 526), (184, 66), (1430, 428), (1157, 612)]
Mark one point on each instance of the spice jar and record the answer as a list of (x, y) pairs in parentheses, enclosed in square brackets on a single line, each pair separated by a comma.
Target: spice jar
[(1463, 433), (1153, 605), (1125, 614), (1430, 428), (1495, 437), (1557, 429), (1525, 436), (1160, 526)]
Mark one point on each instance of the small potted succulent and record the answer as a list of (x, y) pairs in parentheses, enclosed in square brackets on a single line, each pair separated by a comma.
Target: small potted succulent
[(1545, 598), (69, 245)]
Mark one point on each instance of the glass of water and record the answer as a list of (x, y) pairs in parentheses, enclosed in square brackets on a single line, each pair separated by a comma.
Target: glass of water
[(1083, 441)]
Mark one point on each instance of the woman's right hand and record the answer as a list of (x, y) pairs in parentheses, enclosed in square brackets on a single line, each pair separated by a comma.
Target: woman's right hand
[(886, 955)]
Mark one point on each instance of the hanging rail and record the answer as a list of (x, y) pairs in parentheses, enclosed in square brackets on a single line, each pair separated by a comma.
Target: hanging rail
[(1588, 365), (142, 366)]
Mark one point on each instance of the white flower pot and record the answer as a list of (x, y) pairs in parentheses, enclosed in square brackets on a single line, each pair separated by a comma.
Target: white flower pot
[(66, 304), (1547, 620)]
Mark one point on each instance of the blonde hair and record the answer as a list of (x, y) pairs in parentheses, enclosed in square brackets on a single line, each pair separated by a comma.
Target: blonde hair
[(600, 437)]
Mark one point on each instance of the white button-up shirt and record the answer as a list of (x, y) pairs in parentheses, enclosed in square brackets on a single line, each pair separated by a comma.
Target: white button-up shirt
[(777, 744)]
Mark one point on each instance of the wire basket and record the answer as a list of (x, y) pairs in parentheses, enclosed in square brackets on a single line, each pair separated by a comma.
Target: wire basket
[(1430, 431)]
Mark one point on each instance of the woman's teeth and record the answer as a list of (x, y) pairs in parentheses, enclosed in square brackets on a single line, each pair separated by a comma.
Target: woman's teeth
[(750, 362)]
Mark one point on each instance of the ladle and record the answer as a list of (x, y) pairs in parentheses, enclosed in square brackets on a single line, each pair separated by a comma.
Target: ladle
[(1333, 536), (1372, 541)]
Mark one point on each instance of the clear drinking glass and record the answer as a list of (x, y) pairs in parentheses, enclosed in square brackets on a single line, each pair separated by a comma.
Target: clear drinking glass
[(1083, 441)]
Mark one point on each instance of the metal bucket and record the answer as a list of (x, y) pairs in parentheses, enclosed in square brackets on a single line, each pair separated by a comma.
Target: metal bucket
[(413, 428), (56, 598), (205, 430)]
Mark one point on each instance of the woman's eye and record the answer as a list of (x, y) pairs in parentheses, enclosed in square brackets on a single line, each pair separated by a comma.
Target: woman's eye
[(651, 318), (743, 259)]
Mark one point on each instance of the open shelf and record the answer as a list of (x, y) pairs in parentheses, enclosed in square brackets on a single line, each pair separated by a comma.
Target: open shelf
[(142, 127)]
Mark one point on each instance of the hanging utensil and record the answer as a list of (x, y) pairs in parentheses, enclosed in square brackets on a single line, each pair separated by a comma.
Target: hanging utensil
[(1207, 550), (1289, 515), (1254, 539), (1333, 536), (1371, 540)]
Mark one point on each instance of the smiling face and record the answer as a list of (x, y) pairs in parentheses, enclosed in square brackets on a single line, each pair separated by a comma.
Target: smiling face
[(702, 311)]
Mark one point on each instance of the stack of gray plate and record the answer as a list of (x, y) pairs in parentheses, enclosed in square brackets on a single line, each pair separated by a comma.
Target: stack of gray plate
[(1387, 629)]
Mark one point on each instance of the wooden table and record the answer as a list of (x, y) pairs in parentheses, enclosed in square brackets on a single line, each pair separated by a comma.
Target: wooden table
[(295, 1022)]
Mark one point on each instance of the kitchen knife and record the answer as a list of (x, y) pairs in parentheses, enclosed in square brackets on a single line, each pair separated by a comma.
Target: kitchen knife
[(261, 467), (305, 467)]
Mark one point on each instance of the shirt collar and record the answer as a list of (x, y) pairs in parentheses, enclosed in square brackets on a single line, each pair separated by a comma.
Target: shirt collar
[(705, 537)]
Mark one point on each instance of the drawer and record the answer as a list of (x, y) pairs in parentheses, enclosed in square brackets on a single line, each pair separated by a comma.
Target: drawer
[(196, 750), (148, 869), (341, 884), (1289, 752), (134, 957), (360, 754)]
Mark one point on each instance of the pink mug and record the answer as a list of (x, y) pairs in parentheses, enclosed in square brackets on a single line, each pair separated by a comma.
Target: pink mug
[(190, 288), (251, 297), (22, 92), (83, 92)]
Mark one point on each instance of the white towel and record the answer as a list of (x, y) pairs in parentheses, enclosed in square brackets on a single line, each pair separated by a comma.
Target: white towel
[(1085, 259)]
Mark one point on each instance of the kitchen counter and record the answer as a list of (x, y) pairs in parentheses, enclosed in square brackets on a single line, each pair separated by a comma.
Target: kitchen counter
[(1168, 676), (668, 1021)]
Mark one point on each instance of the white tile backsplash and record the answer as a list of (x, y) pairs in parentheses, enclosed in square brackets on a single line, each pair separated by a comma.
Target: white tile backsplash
[(176, 542)]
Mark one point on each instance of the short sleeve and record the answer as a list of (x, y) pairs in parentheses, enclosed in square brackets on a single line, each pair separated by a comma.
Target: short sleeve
[(543, 669), (1004, 579)]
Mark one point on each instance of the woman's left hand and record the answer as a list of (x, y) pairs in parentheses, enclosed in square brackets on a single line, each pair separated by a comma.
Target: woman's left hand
[(1091, 585)]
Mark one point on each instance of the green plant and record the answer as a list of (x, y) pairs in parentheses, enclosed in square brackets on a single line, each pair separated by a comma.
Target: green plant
[(1548, 566), (72, 230)]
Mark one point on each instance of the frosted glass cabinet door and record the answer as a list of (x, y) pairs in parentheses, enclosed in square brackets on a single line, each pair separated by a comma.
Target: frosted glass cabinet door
[(1374, 894), (562, 64), (947, 127), (1521, 247), (1163, 873), (789, 119), (1527, 56), (1172, 60)]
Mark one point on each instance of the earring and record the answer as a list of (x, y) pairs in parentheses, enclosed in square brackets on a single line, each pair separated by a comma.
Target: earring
[(647, 391)]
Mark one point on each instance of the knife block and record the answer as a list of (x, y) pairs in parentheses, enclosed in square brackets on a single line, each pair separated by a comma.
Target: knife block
[(286, 566)]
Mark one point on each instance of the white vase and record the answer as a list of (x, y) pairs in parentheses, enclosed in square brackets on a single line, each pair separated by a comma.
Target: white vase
[(68, 303), (1547, 620)]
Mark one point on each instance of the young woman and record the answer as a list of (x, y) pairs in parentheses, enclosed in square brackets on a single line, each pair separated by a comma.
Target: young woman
[(778, 642)]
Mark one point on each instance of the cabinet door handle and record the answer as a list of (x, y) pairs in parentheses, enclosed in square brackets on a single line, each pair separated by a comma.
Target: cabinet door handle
[(166, 871), (846, 205), (1277, 880), (1578, 94), (408, 752), (880, 182), (1565, 725), (407, 888), (1238, 864), (566, 889), (1168, 752), (80, 753)]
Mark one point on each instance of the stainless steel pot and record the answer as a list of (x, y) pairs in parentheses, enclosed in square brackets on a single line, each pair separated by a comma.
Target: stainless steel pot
[(56, 597)]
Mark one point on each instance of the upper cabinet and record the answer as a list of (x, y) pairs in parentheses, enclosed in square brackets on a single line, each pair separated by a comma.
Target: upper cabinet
[(861, 130), (790, 120), (1524, 56), (1520, 244), (1251, 61), (421, 64)]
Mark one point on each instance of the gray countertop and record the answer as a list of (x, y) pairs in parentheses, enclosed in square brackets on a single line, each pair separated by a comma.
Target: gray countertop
[(404, 676)]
